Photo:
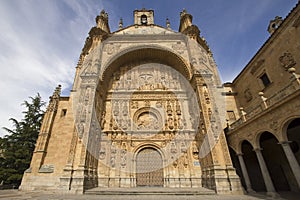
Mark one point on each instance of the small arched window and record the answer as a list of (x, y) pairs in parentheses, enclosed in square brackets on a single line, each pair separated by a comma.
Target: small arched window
[(143, 19)]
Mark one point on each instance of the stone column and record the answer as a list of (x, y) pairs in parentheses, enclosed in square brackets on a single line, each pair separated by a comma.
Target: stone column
[(245, 173), (265, 173), (292, 161)]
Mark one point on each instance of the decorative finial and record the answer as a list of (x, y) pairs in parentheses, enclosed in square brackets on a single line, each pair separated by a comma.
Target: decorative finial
[(183, 12), (103, 14), (168, 23), (120, 23), (56, 92), (274, 24), (54, 99)]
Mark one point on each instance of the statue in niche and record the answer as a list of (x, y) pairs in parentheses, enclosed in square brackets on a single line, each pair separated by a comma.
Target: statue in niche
[(195, 150), (147, 121), (80, 129), (169, 109), (173, 148), (113, 161), (163, 81), (205, 92), (183, 147), (116, 109), (209, 112), (185, 160), (116, 81), (103, 120), (102, 153), (180, 123), (83, 115), (124, 124), (170, 123), (125, 109), (114, 124), (123, 159), (87, 96), (113, 148), (178, 110), (123, 155)]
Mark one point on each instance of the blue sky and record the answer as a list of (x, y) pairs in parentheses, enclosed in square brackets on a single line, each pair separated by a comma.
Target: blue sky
[(41, 40)]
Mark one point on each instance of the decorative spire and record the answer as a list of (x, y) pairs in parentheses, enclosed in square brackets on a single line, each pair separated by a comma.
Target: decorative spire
[(183, 12), (104, 14), (54, 99), (168, 23), (102, 21), (185, 20), (120, 23)]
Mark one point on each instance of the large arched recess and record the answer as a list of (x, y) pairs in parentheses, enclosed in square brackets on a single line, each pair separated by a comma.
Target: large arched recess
[(145, 54), (252, 167), (277, 163), (291, 130)]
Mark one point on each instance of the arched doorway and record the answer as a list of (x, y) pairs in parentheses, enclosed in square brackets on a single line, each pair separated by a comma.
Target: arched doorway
[(253, 168), (276, 162), (149, 168)]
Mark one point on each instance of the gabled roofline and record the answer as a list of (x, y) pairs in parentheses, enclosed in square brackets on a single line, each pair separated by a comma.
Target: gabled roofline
[(134, 25)]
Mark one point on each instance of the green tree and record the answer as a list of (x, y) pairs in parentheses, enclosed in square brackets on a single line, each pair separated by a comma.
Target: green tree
[(17, 147)]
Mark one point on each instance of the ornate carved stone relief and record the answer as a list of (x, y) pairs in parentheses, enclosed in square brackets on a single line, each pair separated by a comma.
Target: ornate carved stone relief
[(111, 48), (179, 47), (287, 61)]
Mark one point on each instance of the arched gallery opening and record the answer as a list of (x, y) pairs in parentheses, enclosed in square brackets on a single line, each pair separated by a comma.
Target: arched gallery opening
[(277, 163), (293, 135), (253, 168), (236, 165)]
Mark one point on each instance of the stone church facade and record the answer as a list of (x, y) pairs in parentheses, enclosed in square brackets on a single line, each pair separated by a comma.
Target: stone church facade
[(148, 109)]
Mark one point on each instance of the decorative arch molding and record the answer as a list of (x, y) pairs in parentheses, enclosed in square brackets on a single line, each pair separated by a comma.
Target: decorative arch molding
[(238, 148), (149, 53), (284, 125), (142, 146), (258, 136)]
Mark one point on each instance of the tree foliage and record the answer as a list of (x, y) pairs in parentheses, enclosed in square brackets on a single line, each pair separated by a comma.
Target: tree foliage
[(17, 146)]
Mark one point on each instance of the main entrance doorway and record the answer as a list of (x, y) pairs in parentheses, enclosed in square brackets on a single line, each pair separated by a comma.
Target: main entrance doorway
[(149, 168)]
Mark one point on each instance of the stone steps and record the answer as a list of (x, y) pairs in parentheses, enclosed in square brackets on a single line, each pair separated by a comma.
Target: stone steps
[(150, 191)]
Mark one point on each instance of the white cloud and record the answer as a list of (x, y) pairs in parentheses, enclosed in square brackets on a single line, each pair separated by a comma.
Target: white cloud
[(40, 46)]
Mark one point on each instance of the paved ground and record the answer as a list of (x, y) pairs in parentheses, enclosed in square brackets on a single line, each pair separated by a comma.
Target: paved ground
[(15, 194)]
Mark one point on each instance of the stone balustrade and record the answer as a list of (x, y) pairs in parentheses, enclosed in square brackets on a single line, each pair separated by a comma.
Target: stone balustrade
[(269, 102)]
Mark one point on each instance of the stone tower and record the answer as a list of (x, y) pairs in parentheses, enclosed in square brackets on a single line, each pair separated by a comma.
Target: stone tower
[(145, 110)]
